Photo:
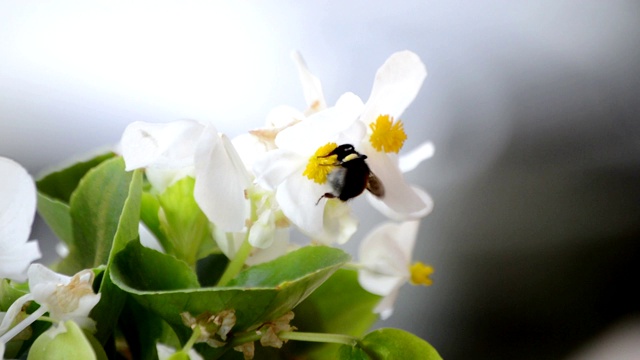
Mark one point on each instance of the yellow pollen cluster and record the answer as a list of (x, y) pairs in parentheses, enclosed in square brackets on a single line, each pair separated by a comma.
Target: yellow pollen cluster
[(420, 274), (320, 165), (387, 136)]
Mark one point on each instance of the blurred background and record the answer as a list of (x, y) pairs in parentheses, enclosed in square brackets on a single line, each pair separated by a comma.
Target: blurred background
[(532, 106)]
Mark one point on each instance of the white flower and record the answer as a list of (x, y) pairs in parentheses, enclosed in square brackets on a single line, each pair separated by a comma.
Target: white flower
[(396, 85), (170, 151), (299, 183), (385, 259), (17, 208), (63, 297)]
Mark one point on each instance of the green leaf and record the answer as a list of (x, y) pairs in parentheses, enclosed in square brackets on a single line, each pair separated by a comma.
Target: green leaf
[(211, 268), (56, 214), (149, 215), (259, 294), (339, 306), (183, 223), (141, 329), (9, 292), (105, 213), (96, 211), (54, 194), (390, 343), (61, 184)]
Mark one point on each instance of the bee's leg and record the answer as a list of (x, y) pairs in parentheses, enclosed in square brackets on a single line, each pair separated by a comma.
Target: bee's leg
[(326, 195)]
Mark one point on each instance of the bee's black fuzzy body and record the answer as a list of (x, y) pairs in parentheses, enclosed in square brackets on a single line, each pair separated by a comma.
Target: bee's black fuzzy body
[(351, 175)]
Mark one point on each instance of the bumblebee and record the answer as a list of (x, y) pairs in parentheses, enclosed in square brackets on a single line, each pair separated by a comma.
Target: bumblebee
[(351, 175)]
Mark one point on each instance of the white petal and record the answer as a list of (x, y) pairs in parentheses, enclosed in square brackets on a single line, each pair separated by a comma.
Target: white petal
[(147, 239), (221, 181), (297, 197), (17, 209), (413, 158), (161, 178), (250, 149), (262, 230), (15, 260), (403, 216), (385, 306), (278, 247), (44, 281), (228, 242), (283, 116), (399, 196), (277, 165), (385, 255), (311, 86), (160, 144), (396, 84), (339, 223), (320, 128)]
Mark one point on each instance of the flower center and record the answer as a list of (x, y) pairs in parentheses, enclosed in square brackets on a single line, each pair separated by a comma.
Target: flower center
[(420, 274), (320, 164), (387, 136)]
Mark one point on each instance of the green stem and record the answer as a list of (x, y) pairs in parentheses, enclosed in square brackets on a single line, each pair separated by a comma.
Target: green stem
[(237, 263), (298, 336), (192, 340), (318, 337)]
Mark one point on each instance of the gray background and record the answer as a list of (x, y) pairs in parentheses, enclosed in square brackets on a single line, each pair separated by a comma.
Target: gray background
[(532, 107)]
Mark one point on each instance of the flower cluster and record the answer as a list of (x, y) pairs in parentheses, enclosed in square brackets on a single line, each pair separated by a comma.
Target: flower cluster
[(183, 220)]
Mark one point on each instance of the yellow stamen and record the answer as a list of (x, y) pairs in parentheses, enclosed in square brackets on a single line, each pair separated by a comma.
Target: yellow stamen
[(420, 274), (320, 165), (387, 136)]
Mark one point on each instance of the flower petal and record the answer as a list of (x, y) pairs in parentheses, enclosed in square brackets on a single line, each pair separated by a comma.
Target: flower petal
[(385, 255), (221, 181), (298, 199), (160, 144), (396, 84), (278, 247), (277, 165), (311, 86), (325, 126), (401, 198), (339, 223), (161, 178), (14, 261), (403, 216), (413, 158), (17, 209), (385, 306)]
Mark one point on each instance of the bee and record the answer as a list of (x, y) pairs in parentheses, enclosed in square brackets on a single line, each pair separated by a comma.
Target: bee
[(351, 175)]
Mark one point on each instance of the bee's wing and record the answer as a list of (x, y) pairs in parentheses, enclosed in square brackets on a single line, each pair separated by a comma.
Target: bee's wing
[(374, 185)]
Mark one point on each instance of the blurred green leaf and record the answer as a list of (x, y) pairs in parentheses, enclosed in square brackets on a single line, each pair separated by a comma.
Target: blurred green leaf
[(211, 268), (56, 214), (259, 294), (183, 223), (61, 184), (339, 306), (96, 211), (10, 291), (390, 343), (54, 194), (149, 215), (105, 213)]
